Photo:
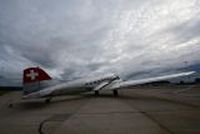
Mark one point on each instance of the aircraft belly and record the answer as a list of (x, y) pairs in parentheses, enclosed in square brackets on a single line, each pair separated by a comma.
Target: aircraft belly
[(70, 91)]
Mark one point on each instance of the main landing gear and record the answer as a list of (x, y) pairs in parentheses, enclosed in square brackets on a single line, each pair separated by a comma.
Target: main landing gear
[(115, 93), (96, 93), (48, 100)]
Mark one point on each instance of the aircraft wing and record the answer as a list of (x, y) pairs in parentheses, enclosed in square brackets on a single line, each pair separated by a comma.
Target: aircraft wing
[(124, 84)]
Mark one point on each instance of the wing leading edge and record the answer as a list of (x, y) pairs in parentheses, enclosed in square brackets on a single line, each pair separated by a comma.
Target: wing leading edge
[(124, 84)]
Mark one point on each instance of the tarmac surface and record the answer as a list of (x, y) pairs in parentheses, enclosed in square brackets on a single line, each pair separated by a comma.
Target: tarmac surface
[(140, 110)]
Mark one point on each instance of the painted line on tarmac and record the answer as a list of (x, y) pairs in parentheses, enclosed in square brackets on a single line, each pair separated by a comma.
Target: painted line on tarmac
[(54, 118)]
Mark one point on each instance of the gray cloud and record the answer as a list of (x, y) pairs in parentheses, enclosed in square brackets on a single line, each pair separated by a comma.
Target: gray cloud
[(77, 38)]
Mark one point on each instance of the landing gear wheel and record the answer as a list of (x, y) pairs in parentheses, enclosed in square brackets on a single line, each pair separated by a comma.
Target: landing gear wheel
[(10, 105), (96, 93), (115, 93)]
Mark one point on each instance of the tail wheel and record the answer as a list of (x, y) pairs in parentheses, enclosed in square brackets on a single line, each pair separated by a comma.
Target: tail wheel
[(96, 93), (115, 93), (48, 100)]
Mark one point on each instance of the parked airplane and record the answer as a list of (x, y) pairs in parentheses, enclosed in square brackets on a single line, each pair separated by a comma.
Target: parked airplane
[(35, 84)]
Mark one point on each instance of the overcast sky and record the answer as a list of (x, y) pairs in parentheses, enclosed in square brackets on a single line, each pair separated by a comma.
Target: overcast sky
[(76, 38)]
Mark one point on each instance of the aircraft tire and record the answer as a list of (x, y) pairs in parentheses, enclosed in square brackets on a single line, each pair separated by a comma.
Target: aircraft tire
[(115, 93), (96, 93), (48, 100)]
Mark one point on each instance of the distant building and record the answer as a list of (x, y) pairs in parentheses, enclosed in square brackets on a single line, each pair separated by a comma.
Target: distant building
[(10, 88)]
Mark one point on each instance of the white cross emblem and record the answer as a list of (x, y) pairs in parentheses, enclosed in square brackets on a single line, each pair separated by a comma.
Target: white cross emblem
[(32, 74)]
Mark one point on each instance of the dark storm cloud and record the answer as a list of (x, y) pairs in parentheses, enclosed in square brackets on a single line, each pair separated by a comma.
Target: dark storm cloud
[(75, 38)]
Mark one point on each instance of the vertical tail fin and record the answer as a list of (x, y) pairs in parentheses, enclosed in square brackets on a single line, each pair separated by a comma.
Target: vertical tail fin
[(32, 78)]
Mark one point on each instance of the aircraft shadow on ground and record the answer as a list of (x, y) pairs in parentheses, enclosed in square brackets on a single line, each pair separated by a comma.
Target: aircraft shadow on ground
[(41, 104)]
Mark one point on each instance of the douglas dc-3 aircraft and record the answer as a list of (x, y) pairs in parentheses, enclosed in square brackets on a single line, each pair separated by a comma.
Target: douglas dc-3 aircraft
[(35, 84)]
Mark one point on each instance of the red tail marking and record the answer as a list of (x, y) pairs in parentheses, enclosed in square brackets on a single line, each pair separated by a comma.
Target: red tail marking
[(34, 74)]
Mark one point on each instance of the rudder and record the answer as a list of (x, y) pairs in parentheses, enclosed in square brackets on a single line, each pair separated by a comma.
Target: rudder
[(32, 78)]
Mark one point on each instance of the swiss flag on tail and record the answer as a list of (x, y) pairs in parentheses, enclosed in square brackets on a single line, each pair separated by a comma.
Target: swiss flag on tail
[(34, 74)]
